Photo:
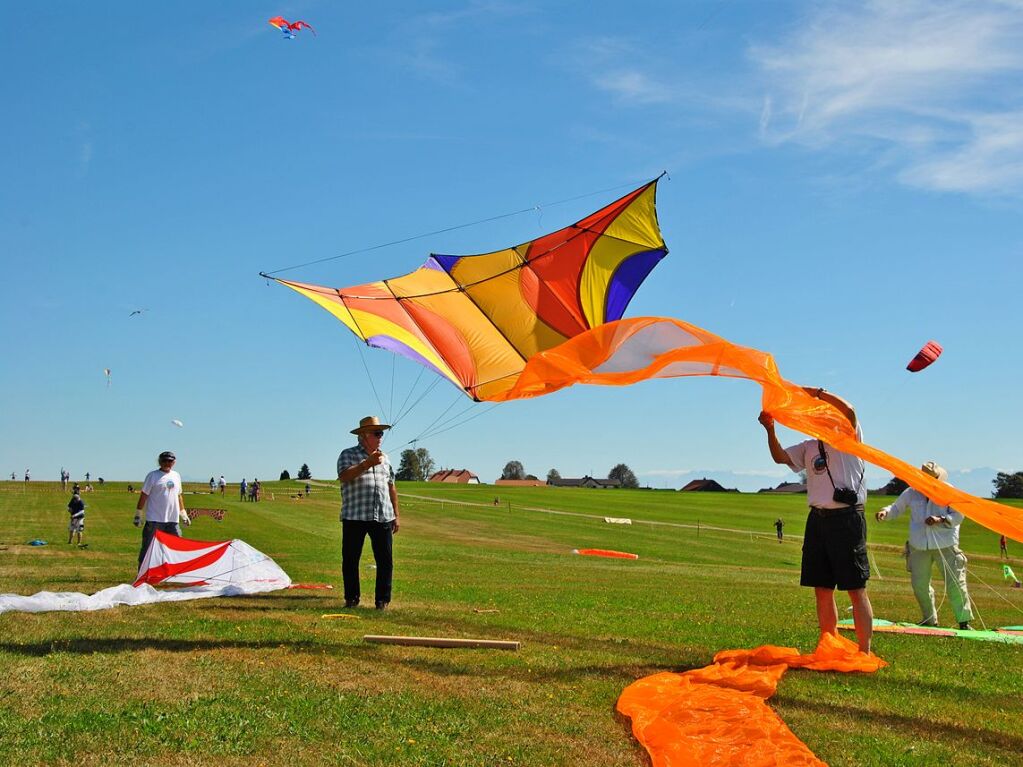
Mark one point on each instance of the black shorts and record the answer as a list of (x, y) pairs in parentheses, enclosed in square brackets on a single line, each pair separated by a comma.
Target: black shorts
[(835, 550)]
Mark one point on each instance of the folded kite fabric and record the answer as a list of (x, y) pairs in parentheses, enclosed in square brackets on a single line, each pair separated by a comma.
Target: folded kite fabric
[(205, 569), (717, 715), (1005, 635)]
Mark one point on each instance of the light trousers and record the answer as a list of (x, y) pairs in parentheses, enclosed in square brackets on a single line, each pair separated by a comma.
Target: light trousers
[(952, 564)]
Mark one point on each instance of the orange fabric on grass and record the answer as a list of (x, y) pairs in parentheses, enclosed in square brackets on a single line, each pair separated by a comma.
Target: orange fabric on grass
[(606, 553), (717, 715), (632, 350)]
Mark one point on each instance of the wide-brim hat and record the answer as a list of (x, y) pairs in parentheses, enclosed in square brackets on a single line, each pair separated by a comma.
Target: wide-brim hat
[(938, 472), (370, 423)]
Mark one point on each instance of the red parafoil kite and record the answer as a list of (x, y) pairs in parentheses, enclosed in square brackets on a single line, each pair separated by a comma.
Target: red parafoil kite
[(289, 28), (930, 352)]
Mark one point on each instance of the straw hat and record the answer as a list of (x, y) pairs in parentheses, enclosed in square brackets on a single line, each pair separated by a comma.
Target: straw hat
[(935, 471), (370, 423)]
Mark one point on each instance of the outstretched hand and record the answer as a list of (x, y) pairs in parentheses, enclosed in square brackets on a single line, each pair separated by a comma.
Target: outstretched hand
[(766, 419)]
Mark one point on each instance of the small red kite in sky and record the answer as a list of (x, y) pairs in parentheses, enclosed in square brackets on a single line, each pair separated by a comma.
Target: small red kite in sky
[(928, 354), (290, 28)]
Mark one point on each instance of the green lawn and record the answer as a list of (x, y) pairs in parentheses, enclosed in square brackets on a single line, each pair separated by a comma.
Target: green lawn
[(264, 680)]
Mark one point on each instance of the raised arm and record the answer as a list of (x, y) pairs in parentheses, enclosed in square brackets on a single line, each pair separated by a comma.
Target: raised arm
[(834, 400), (777, 451)]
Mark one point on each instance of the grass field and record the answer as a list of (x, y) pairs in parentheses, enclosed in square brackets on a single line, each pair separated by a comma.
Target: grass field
[(264, 680)]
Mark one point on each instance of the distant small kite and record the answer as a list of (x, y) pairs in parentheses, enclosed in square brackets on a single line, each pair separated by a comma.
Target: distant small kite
[(138, 311), (177, 423), (928, 354), (106, 372), (289, 28)]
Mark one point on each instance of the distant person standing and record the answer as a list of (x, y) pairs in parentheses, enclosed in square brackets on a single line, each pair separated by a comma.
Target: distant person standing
[(255, 490), (76, 489), (835, 539), (28, 475), (1003, 549), (63, 478), (222, 484), (369, 506), (779, 525), (307, 488), (163, 502), (76, 525), (933, 538), (242, 487), (213, 486), (87, 476)]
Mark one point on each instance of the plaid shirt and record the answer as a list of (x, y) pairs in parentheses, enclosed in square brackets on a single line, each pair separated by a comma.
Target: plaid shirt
[(366, 498)]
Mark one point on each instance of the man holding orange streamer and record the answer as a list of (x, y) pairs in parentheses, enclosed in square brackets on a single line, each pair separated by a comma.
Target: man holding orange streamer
[(835, 538)]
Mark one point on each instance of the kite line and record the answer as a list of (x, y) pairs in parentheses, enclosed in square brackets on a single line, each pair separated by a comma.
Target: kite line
[(455, 227)]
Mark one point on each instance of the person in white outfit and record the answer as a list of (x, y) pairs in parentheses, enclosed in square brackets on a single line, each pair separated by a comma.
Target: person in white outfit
[(933, 537)]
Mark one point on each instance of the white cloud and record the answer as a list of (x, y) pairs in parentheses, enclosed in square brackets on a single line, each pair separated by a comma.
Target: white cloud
[(765, 115), (936, 86)]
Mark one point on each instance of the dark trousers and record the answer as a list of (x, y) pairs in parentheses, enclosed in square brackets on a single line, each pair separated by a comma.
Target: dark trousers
[(353, 535), (149, 532)]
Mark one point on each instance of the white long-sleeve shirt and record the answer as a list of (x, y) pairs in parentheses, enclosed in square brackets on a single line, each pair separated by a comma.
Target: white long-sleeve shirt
[(922, 535)]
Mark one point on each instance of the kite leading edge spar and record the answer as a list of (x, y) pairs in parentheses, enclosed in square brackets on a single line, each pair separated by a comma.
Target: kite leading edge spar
[(529, 320)]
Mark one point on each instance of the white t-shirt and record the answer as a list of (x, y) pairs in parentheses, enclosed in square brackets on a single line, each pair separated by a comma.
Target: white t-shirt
[(846, 471), (163, 489)]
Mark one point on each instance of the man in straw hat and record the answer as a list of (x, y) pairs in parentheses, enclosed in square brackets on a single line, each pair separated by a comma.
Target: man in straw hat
[(835, 538), (369, 506), (933, 537)]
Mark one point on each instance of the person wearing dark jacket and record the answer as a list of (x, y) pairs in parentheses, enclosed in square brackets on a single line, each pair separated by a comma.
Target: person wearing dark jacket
[(76, 526)]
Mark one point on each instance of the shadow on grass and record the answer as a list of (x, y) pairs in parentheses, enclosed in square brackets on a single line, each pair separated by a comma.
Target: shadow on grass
[(136, 644), (920, 728)]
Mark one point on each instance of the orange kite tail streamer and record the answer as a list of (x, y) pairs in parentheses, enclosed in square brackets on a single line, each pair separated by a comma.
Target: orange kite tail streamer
[(717, 715), (632, 350)]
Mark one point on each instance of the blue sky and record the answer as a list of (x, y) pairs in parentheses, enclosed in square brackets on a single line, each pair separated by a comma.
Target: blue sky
[(846, 184)]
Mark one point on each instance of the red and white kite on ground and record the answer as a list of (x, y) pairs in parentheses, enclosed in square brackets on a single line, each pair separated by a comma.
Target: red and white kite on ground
[(172, 559), (205, 569)]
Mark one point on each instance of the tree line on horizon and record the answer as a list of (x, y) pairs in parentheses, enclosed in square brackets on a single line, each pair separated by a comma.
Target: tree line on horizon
[(416, 465)]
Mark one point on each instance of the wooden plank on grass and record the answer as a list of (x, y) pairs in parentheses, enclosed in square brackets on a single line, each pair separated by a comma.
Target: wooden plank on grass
[(492, 644)]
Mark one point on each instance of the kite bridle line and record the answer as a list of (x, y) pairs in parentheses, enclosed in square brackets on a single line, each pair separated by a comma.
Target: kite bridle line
[(531, 209)]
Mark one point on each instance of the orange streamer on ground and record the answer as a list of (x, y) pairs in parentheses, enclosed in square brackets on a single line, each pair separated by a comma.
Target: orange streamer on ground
[(606, 553), (632, 350), (717, 715)]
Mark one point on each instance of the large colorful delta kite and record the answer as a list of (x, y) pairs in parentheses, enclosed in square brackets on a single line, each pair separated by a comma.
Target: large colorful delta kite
[(532, 319)]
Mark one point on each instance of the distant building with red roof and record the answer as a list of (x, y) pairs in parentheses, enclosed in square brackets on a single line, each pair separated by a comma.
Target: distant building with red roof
[(460, 476)]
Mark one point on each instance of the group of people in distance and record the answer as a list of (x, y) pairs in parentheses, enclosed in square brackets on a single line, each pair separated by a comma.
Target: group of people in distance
[(250, 491), (835, 537)]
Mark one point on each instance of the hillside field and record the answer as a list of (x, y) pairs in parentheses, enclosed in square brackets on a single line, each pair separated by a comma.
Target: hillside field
[(266, 680)]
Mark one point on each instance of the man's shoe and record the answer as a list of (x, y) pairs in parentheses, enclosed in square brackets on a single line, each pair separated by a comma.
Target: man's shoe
[(382, 605), (965, 626), (351, 603), (928, 624)]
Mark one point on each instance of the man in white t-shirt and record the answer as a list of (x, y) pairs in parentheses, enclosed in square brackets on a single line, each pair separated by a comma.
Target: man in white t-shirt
[(835, 538), (162, 499)]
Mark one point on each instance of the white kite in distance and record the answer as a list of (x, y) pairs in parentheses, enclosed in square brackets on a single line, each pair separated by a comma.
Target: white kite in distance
[(177, 423), (106, 372)]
